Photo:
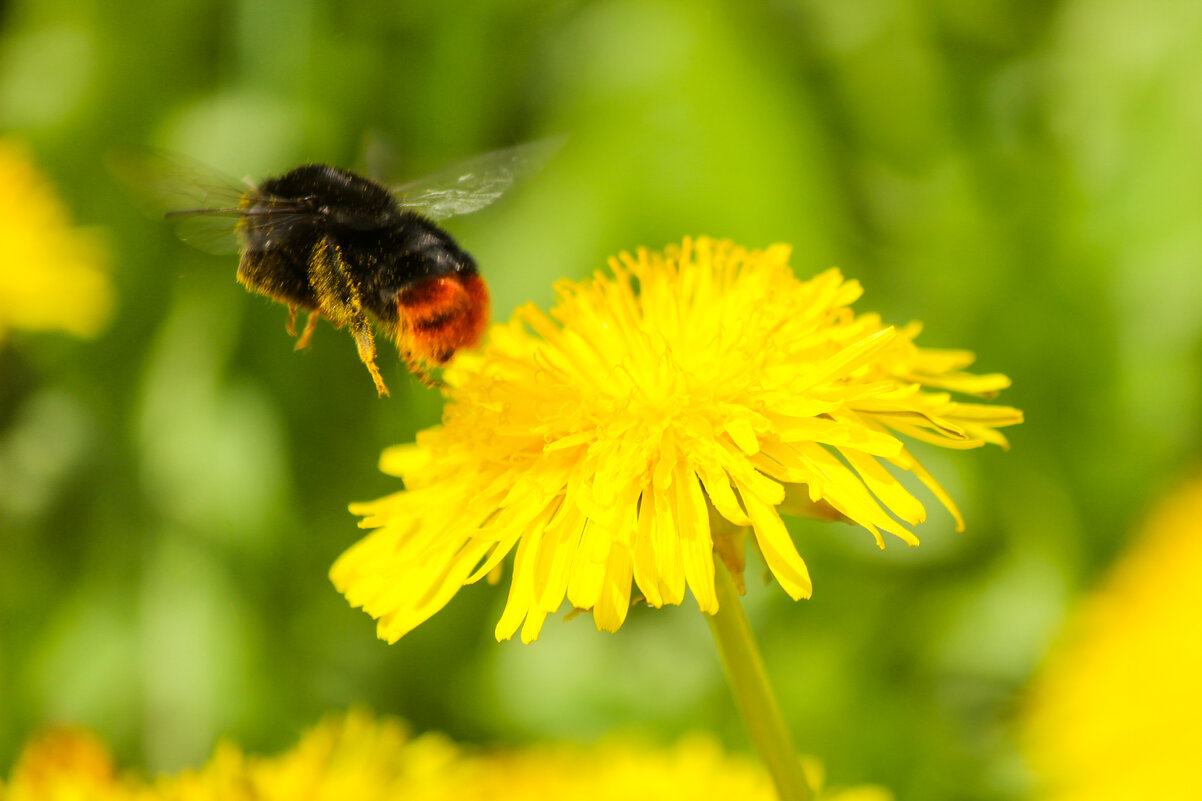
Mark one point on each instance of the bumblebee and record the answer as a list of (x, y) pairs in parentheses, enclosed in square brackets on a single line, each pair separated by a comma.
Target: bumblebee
[(345, 248)]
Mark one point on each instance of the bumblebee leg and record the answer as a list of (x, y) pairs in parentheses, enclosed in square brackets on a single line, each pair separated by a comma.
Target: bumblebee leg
[(290, 326), (307, 334), (418, 368), (361, 329), (341, 302), (415, 363)]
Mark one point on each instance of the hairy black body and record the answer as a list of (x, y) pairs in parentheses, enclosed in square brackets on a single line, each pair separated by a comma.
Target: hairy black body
[(346, 248), (338, 245), (384, 250)]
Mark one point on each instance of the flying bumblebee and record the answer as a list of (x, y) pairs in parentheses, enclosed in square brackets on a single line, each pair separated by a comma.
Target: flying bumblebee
[(341, 246)]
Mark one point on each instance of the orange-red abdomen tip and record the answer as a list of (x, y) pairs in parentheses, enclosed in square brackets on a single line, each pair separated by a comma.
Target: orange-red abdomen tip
[(441, 315)]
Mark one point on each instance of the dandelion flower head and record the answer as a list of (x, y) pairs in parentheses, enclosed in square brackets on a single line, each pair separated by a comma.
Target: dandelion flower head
[(1114, 714), (64, 764), (52, 276), (598, 442), (361, 757)]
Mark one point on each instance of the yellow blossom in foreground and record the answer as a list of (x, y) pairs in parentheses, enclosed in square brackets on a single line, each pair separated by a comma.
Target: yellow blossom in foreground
[(358, 757), (64, 765), (596, 441), (1116, 713), (51, 275), (349, 757), (695, 768)]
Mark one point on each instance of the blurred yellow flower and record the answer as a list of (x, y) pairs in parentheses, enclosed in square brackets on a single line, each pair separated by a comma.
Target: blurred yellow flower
[(359, 757), (695, 767), (52, 275), (347, 757), (597, 441), (1115, 714), (64, 765)]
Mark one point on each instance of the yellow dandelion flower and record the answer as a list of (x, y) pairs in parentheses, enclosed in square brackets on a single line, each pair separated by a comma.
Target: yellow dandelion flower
[(65, 765), (695, 767), (360, 757), (352, 756), (596, 441), (226, 777), (52, 275), (1115, 713), (357, 756)]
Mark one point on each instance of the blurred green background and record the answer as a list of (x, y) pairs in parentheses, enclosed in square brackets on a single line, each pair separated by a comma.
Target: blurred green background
[(1022, 176)]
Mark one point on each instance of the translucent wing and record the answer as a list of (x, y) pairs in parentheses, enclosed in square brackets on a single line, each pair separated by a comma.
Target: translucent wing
[(474, 184), (225, 230), (211, 233), (206, 208)]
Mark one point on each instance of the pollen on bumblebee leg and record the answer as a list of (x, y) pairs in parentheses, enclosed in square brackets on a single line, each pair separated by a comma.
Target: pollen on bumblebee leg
[(366, 344), (307, 334)]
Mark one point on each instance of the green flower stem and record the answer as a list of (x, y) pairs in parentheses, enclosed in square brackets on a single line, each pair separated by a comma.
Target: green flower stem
[(753, 694)]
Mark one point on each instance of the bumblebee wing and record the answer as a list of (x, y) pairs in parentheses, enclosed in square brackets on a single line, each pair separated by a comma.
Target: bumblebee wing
[(474, 184), (228, 230), (209, 230), (206, 208), (161, 182)]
